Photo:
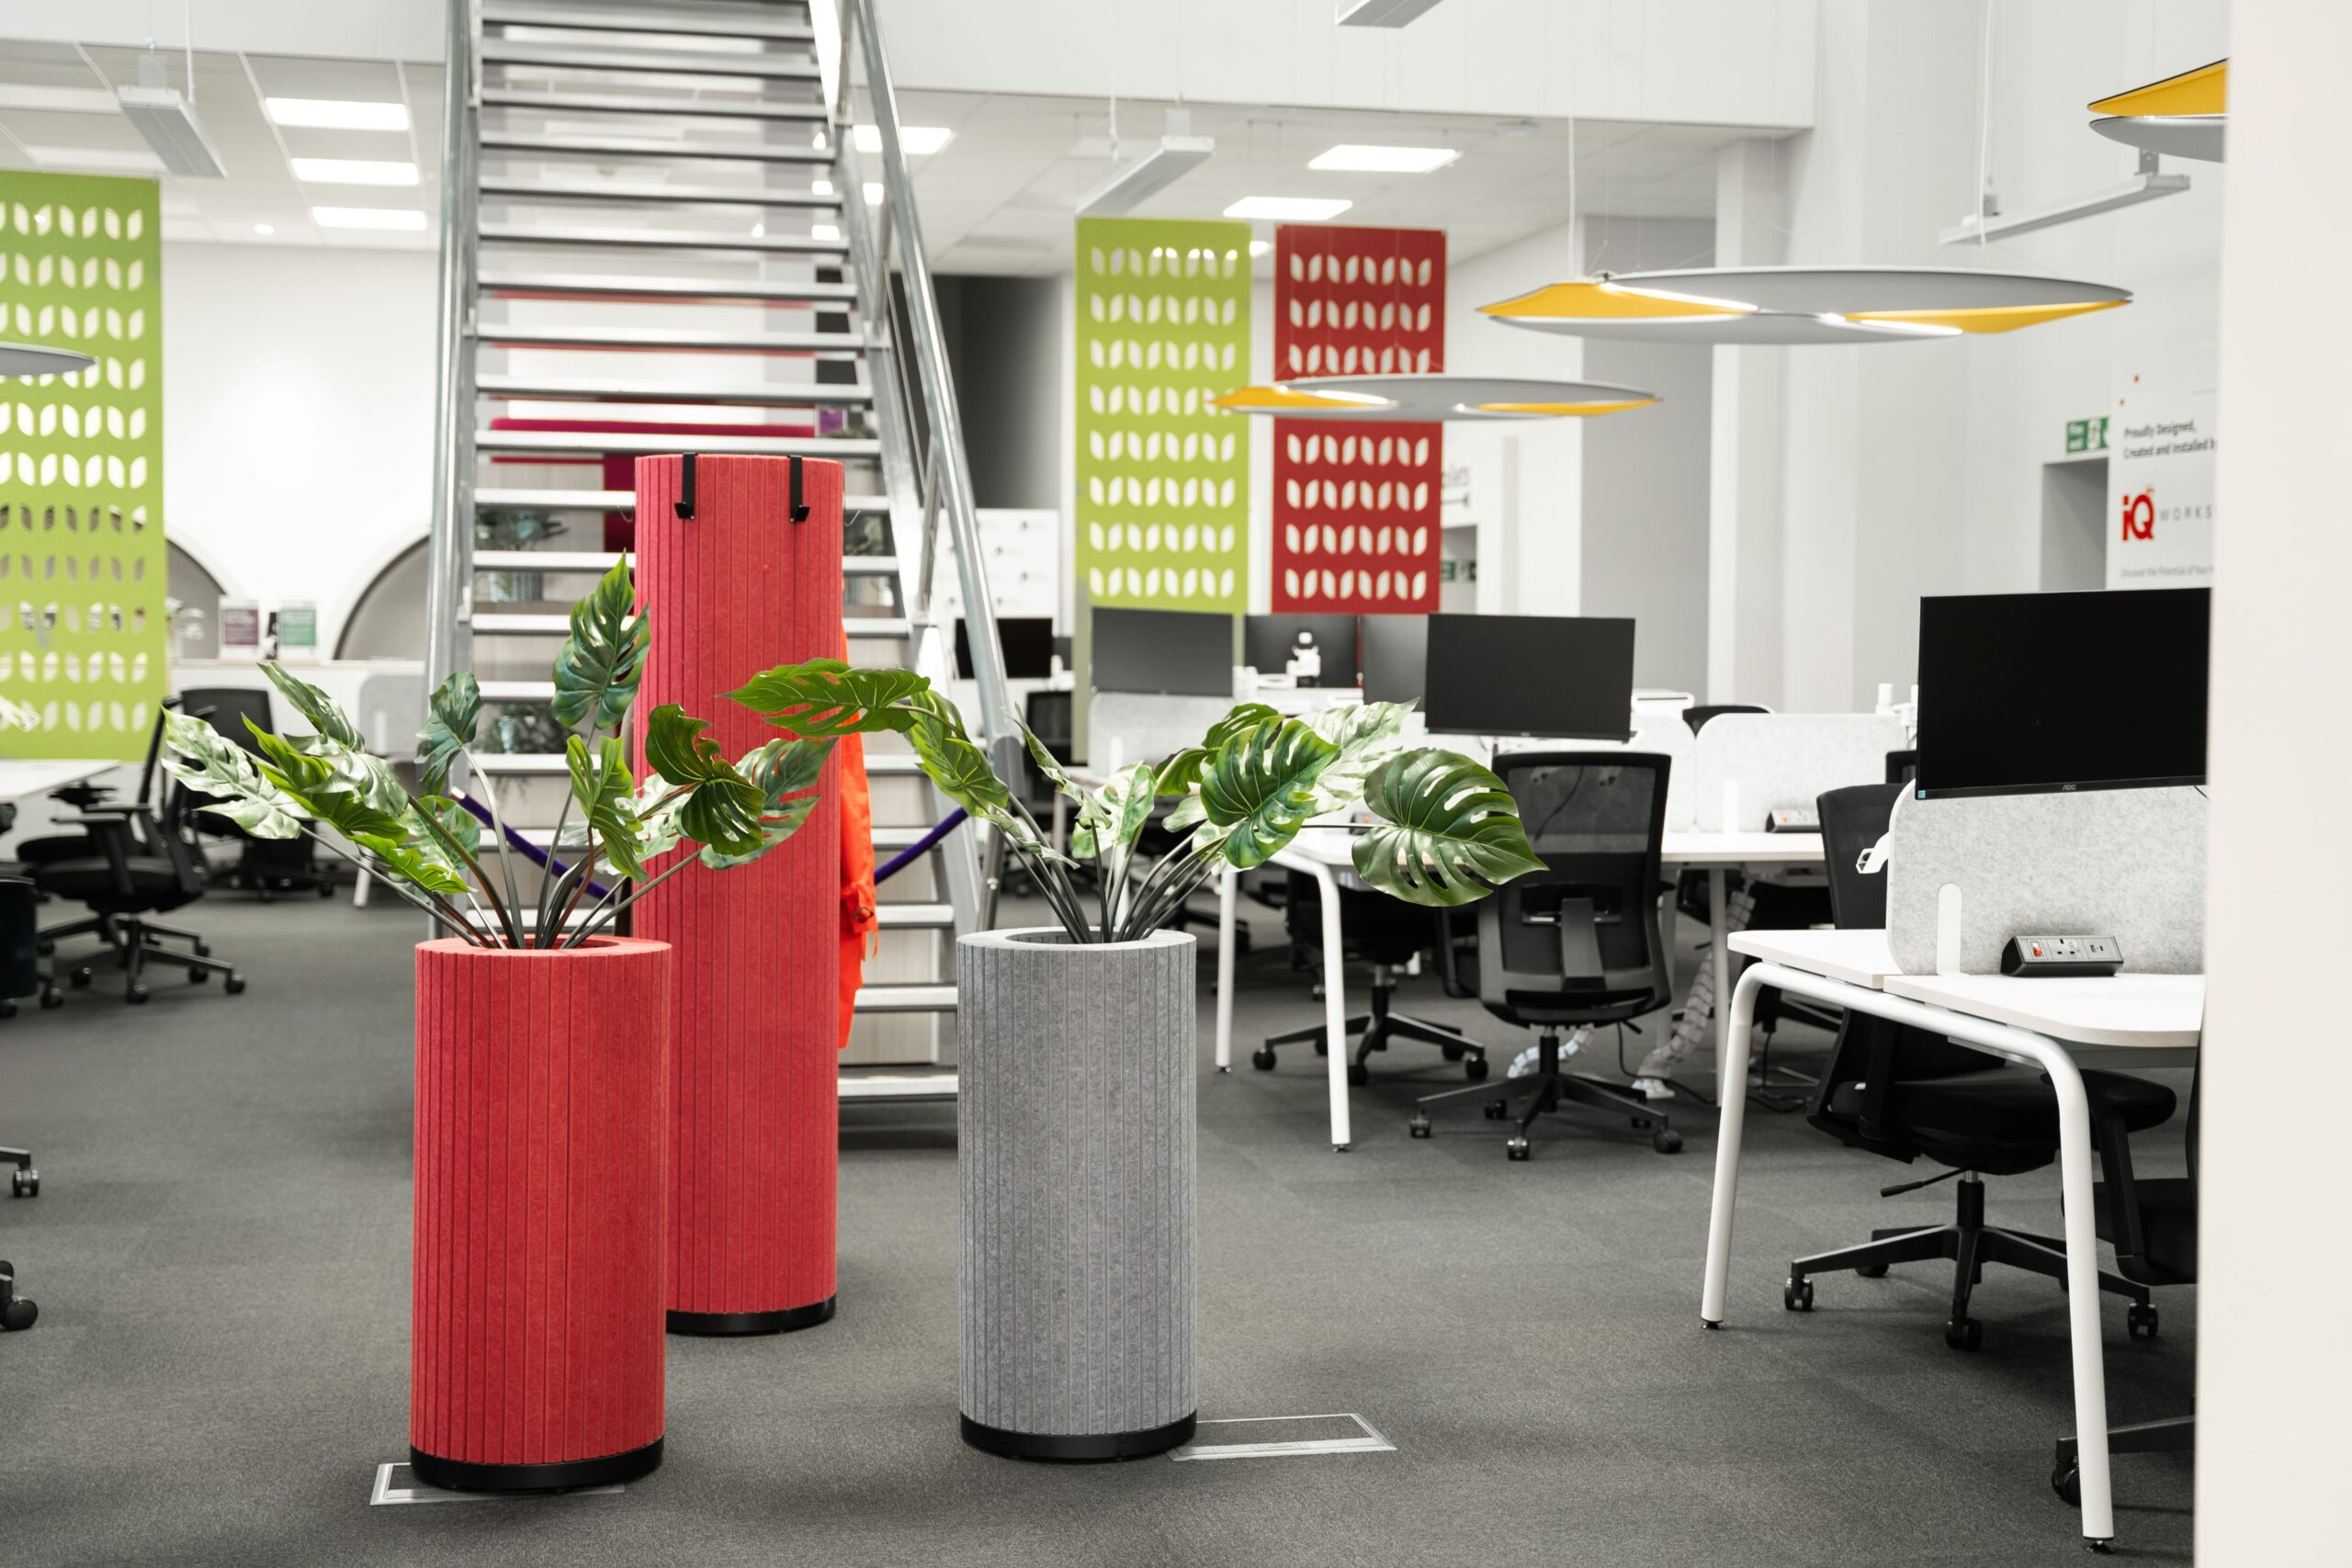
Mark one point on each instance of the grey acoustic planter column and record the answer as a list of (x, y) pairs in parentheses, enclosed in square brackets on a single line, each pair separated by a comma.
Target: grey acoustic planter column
[(1078, 1147)]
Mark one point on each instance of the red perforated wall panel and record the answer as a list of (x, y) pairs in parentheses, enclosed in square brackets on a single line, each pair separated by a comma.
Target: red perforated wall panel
[(1355, 507), (735, 589)]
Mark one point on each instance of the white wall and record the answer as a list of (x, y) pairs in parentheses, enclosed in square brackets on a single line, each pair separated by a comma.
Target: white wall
[(1914, 468), (298, 416), (2273, 1367)]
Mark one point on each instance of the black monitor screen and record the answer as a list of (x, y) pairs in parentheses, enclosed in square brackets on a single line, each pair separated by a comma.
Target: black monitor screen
[(2026, 693), (1173, 652), (1027, 641), (1267, 642), (1395, 658), (1564, 676)]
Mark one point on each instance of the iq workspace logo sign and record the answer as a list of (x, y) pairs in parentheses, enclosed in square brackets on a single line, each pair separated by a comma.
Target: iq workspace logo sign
[(2140, 516)]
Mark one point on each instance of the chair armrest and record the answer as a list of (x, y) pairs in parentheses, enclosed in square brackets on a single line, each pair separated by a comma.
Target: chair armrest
[(112, 834)]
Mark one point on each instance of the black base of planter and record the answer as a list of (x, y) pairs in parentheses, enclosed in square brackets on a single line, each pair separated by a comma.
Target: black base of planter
[(728, 1323), (1084, 1448), (566, 1476)]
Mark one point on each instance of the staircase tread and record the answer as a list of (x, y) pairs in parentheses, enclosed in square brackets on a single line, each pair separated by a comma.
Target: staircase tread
[(655, 444), (567, 56), (500, 140), (663, 239), (519, 188)]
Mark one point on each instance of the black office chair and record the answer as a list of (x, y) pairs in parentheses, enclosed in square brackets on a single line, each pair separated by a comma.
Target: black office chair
[(1902, 767), (19, 976), (141, 862), (1386, 934), (266, 866), (2152, 1222), (1576, 943), (1697, 718), (1902, 1092)]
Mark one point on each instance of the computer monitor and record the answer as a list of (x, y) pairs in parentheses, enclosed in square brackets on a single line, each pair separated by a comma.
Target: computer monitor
[(1566, 677), (1267, 642), (1027, 641), (1172, 652), (2024, 694), (1395, 658)]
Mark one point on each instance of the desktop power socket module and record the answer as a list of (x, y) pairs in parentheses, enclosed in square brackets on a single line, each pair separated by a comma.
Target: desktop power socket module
[(2057, 955)]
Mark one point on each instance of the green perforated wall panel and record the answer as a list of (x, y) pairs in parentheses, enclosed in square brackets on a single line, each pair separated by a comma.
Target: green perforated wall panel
[(1163, 479), (82, 569)]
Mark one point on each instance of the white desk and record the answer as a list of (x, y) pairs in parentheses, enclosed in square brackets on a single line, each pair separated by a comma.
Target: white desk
[(23, 779), (1325, 854), (2148, 1021)]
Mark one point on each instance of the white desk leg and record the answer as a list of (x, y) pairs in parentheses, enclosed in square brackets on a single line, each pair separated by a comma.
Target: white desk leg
[(1740, 1012), (2082, 1294), (1719, 955), (1061, 830), (1227, 880), (1335, 1003)]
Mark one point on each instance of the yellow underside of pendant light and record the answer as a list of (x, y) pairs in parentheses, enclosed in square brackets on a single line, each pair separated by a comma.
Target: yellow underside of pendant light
[(1596, 301), (1565, 409), (2205, 90), (1987, 318), (1283, 398)]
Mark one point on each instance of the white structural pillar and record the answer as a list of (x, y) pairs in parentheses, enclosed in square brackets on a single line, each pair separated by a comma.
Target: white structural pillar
[(2274, 1371), (1744, 448)]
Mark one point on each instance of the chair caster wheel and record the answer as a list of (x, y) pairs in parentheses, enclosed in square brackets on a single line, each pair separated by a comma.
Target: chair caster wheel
[(1667, 1141), (18, 1312), (1321, 1049), (1357, 1075), (135, 995), (2067, 1482), (50, 997), (25, 1183), (233, 984), (1474, 1069), (1262, 1059), (1965, 1335), (2140, 1320), (1518, 1148), (1796, 1294), (202, 949), (1419, 1126), (1639, 1122), (1451, 1052), (1872, 1270), (79, 978), (1496, 1110), (197, 976), (326, 890)]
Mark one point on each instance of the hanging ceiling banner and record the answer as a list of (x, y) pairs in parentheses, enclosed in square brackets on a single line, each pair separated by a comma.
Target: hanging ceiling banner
[(1355, 512), (1163, 476), (82, 567)]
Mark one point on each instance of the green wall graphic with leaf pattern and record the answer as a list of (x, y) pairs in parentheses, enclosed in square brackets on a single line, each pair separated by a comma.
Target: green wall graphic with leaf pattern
[(82, 565), (1163, 479)]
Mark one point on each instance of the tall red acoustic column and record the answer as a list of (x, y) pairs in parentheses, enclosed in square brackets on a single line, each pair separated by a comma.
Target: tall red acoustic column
[(735, 587), (542, 1110)]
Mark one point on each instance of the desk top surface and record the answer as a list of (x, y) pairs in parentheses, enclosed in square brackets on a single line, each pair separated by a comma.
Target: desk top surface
[(1858, 958), (22, 780), (2162, 1011), (1694, 847)]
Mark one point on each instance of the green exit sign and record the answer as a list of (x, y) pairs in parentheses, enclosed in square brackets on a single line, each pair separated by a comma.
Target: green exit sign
[(2087, 434)]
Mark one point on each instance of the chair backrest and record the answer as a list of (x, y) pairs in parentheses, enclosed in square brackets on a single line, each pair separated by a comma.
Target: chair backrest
[(1902, 767), (1577, 943), (1049, 717), (1697, 718), (226, 708), (1853, 819)]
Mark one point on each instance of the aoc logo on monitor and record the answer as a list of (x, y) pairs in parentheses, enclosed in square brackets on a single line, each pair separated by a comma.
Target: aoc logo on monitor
[(2140, 515)]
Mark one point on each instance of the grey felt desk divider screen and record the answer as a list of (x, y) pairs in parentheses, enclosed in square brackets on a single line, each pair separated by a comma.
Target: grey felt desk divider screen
[(1146, 726), (1777, 759), (2128, 864)]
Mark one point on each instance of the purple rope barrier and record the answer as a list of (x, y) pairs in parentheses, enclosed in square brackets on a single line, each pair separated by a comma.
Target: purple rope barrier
[(539, 857), (919, 848)]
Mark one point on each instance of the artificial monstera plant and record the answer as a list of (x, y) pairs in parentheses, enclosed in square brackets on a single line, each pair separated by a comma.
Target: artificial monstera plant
[(427, 844), (1445, 832)]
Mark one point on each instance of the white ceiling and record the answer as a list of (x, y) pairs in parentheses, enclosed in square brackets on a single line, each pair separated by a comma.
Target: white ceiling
[(260, 188), (999, 199)]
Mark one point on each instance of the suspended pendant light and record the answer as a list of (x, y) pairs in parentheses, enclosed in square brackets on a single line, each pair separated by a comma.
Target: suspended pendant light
[(2180, 117), (32, 359), (1800, 304), (1428, 399)]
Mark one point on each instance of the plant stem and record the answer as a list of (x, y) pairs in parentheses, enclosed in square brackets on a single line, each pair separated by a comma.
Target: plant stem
[(684, 859), (555, 847), (402, 889), (497, 827), (442, 835)]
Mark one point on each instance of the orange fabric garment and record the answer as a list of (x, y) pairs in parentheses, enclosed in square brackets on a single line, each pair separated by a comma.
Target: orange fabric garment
[(858, 918)]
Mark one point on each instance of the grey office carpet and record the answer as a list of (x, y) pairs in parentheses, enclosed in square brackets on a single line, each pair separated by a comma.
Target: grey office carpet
[(220, 1257)]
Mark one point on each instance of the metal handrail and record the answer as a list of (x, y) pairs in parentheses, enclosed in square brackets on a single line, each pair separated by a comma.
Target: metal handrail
[(449, 548), (940, 478)]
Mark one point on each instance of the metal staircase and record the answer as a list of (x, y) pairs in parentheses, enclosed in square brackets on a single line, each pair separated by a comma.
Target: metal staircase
[(657, 236)]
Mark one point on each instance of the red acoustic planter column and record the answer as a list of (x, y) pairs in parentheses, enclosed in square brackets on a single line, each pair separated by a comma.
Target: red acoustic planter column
[(734, 589), (542, 1125)]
